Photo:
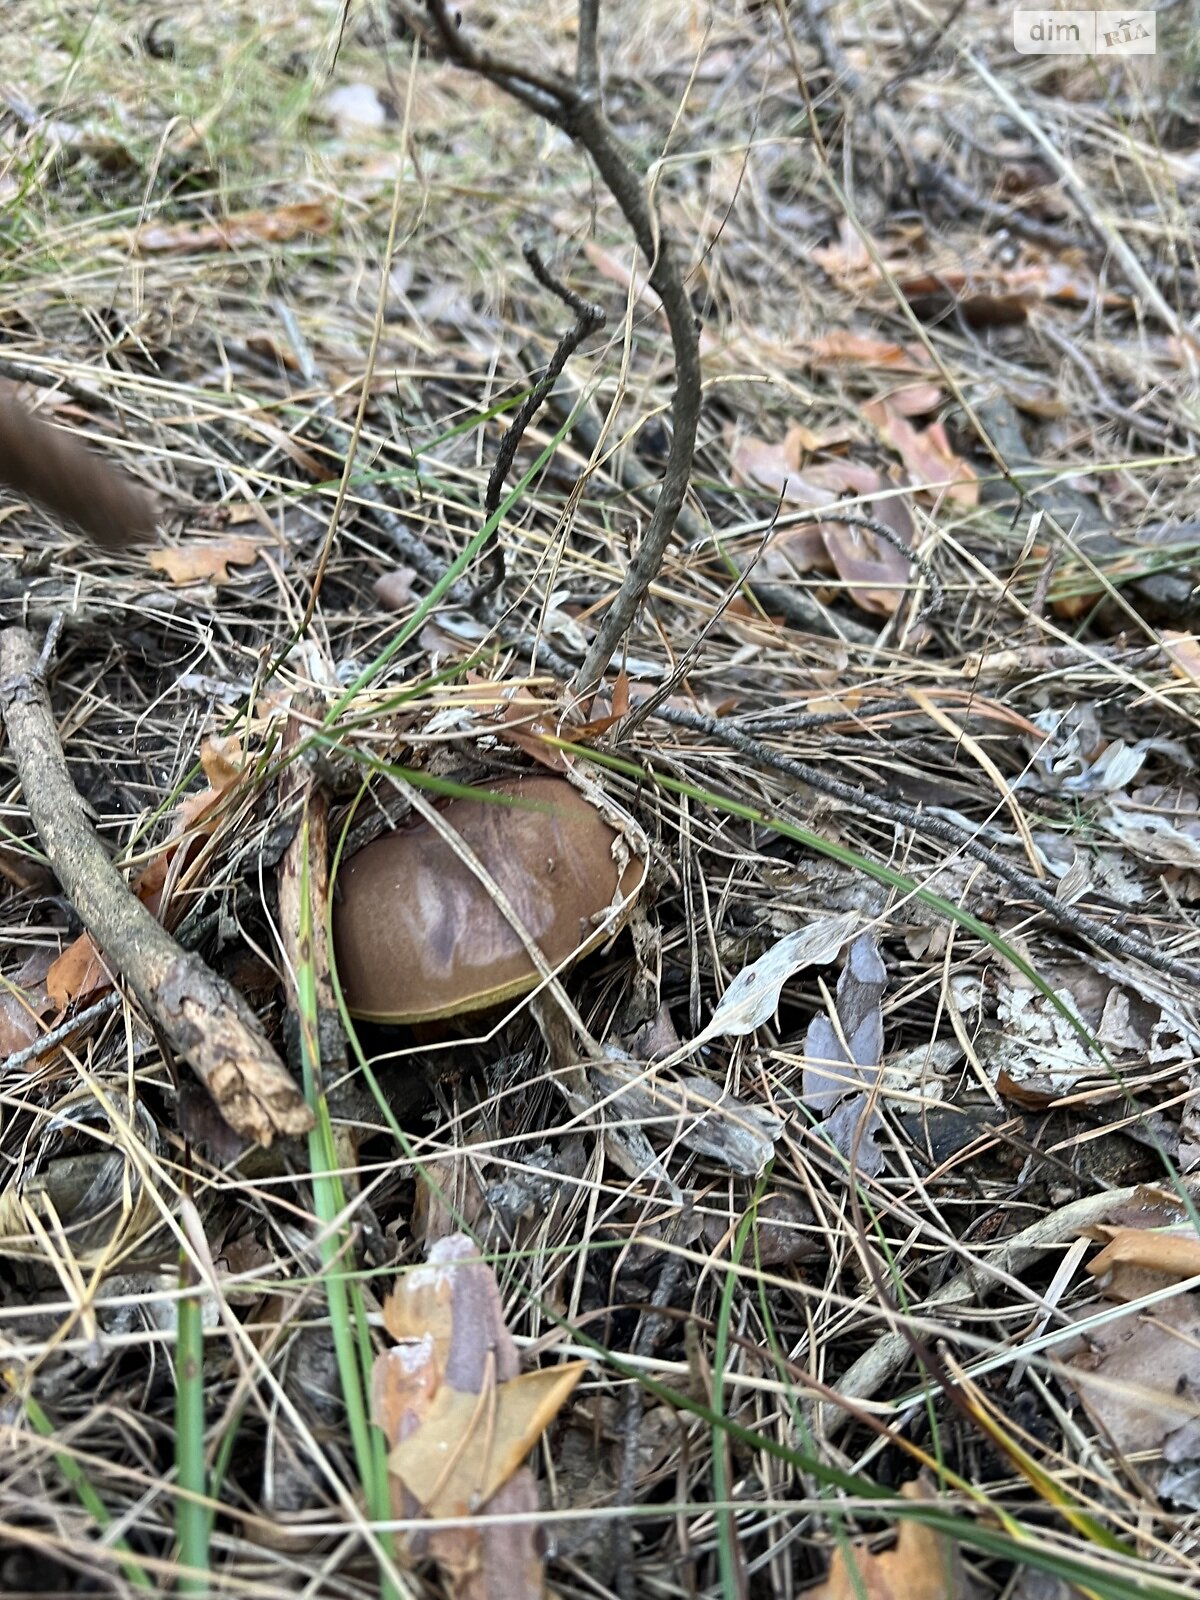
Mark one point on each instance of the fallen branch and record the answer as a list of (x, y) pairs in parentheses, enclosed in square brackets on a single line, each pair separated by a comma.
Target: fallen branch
[(202, 1016)]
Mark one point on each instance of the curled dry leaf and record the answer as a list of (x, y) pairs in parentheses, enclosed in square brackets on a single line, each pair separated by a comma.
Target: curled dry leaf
[(79, 971), (925, 452), (520, 716), (1175, 1255), (753, 996)]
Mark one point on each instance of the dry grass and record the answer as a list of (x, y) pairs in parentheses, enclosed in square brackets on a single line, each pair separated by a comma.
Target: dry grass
[(995, 715)]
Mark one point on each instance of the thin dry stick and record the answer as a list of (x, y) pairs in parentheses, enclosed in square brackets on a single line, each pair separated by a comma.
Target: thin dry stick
[(587, 319), (888, 1354), (202, 1016), (922, 822), (1104, 229), (576, 106)]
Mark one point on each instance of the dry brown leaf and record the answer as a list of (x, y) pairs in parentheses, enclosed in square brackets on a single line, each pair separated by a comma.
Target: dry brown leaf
[(915, 399), (246, 228), (522, 718), (18, 1021), (843, 347), (469, 1445), (223, 762), (799, 441), (460, 1419), (80, 971), (980, 291), (1175, 1254), (926, 453), (922, 1565), (1138, 1376), (505, 1564), (394, 589), (208, 562), (77, 972), (875, 573)]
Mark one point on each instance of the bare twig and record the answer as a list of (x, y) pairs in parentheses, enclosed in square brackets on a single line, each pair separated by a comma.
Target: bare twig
[(576, 107), (200, 1014), (587, 319)]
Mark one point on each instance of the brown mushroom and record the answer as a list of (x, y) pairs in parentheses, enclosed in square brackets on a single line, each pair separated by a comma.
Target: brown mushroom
[(417, 935)]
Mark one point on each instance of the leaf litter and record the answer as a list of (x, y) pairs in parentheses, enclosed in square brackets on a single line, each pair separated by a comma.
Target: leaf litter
[(800, 1129)]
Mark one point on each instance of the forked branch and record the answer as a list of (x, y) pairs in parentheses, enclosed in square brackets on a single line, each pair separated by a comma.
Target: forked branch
[(575, 105)]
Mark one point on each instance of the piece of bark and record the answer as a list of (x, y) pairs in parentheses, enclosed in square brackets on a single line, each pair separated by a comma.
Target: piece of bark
[(201, 1015)]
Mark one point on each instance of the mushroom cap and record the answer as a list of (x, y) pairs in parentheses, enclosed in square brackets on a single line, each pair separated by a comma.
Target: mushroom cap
[(417, 936)]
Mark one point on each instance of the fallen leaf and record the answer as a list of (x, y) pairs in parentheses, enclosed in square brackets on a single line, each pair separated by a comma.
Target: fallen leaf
[(875, 573), (800, 441), (926, 453), (394, 589), (1138, 1376), (859, 1024), (207, 562), (985, 305), (1177, 1255), (1035, 1053), (460, 1418), (753, 996), (1183, 652), (518, 716), (915, 399), (77, 972), (922, 1565), (223, 762), (18, 1021), (469, 1444), (1168, 836), (843, 347)]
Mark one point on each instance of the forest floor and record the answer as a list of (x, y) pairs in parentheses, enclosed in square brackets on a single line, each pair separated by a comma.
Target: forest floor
[(829, 1227)]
